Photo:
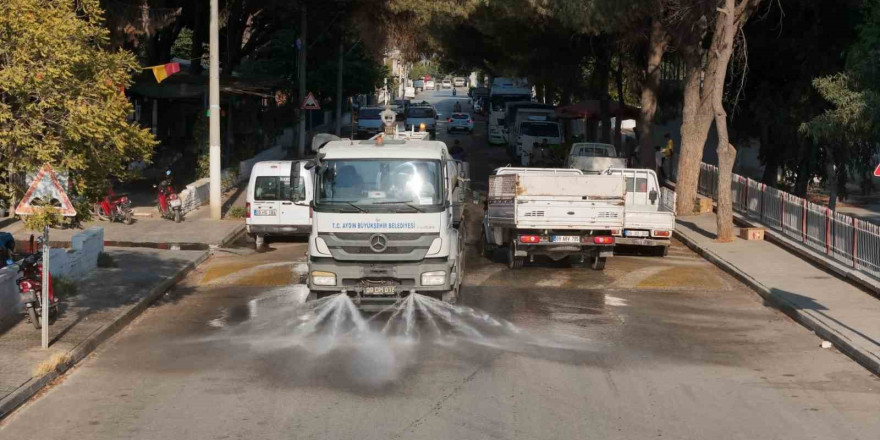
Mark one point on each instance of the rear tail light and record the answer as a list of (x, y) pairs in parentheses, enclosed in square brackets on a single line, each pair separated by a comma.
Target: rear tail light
[(450, 120), (661, 233), (603, 239), (470, 121), (616, 232), (247, 209), (529, 239)]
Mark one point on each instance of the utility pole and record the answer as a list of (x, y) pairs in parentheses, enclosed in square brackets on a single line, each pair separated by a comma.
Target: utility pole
[(339, 87), (214, 113), (301, 147)]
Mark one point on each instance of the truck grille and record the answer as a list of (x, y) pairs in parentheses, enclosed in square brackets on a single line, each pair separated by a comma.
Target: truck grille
[(607, 214), (534, 214), (399, 246)]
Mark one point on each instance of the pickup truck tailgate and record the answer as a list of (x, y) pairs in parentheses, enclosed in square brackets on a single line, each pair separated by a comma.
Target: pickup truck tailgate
[(649, 220), (538, 212)]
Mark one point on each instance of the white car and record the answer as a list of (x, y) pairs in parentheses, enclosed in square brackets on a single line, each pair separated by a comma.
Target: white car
[(460, 121), (429, 84), (278, 198), (459, 82), (447, 84)]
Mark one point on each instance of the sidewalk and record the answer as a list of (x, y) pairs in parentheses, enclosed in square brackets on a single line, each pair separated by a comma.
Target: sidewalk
[(834, 309), (196, 232), (106, 301)]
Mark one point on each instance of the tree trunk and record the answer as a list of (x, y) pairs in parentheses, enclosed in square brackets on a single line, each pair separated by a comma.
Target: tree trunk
[(656, 48), (830, 178), (726, 153), (618, 117)]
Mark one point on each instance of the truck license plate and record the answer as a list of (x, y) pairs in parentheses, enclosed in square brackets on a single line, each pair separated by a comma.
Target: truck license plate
[(566, 239), (636, 233), (380, 290), (264, 211)]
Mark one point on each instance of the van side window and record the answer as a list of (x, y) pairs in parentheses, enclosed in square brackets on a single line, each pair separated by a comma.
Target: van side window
[(271, 188)]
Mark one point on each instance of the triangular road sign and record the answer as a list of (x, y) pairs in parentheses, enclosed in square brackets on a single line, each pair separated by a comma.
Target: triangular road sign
[(46, 188), (310, 103), (877, 171)]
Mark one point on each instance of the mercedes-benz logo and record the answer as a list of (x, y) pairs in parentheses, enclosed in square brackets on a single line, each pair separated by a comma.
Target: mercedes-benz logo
[(378, 243)]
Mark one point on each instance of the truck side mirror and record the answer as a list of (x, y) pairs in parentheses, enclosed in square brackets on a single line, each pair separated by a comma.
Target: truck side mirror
[(653, 196)]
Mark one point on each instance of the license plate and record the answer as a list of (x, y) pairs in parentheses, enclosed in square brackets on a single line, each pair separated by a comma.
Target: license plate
[(380, 290), (264, 211), (566, 239), (175, 202), (636, 233)]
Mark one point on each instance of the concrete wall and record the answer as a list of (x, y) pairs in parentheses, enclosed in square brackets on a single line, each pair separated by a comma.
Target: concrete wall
[(244, 167), (10, 299), (81, 258)]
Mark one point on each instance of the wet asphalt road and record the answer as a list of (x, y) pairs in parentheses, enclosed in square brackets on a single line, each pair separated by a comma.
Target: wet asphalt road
[(650, 348)]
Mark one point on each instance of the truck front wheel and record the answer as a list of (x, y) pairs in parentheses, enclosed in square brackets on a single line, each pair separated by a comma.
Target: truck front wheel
[(598, 263), (486, 250)]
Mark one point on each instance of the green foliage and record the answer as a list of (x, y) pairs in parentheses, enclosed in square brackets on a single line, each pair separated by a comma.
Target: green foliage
[(60, 98), (64, 288), (236, 212), (106, 260), (42, 217), (183, 44)]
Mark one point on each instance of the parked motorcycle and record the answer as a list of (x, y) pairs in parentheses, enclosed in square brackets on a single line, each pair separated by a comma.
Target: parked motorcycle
[(170, 205), (114, 207), (30, 285)]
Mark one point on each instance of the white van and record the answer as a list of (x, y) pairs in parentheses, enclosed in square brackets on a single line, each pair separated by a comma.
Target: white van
[(278, 198)]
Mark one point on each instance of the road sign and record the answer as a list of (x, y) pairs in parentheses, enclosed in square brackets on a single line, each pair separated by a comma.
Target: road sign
[(310, 103), (45, 190), (877, 171)]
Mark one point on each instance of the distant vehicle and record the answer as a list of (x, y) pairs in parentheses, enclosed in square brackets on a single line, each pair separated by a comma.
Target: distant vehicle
[(532, 134), (416, 115), (419, 85), (447, 84), (594, 158), (478, 106), (278, 197), (429, 84), (459, 82), (369, 123), (558, 213), (647, 222), (503, 91), (478, 92), (409, 92), (460, 121)]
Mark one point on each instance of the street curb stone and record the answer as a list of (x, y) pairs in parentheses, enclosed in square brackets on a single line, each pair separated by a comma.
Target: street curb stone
[(34, 385), (807, 318)]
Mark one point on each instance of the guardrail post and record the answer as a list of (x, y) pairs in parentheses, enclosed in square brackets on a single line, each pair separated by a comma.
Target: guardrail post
[(782, 211), (763, 194), (804, 219), (747, 197), (855, 246), (827, 231)]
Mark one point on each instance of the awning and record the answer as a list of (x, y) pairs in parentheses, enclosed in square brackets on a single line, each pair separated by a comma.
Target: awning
[(590, 110)]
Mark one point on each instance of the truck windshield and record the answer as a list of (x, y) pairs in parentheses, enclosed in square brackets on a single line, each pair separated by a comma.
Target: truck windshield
[(538, 129), (498, 101), (369, 113), (421, 113), (387, 183), (593, 151)]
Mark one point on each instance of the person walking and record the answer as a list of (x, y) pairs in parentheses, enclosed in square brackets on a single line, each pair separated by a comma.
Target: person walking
[(659, 162), (668, 151)]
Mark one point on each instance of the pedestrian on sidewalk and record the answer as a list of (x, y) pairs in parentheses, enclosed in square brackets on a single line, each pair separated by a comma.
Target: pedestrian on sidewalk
[(659, 162), (668, 151)]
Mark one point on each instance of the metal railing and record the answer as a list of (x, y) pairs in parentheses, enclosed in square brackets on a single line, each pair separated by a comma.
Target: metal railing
[(840, 237)]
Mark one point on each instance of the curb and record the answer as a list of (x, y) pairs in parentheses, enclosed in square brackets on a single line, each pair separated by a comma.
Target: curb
[(233, 235), (33, 386), (807, 318)]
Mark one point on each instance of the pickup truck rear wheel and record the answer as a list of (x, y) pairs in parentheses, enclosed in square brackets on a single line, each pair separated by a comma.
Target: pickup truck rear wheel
[(485, 249), (514, 262), (662, 251), (598, 263)]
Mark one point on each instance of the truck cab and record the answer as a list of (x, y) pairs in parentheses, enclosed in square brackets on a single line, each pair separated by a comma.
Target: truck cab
[(648, 223), (387, 221), (416, 115), (594, 157), (534, 135)]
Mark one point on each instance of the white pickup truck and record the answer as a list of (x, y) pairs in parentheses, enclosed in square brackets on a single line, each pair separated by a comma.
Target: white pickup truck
[(558, 213), (594, 158), (647, 222)]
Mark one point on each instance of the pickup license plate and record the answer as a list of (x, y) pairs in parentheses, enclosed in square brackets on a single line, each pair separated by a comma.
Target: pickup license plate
[(264, 212), (380, 290), (566, 239), (636, 233)]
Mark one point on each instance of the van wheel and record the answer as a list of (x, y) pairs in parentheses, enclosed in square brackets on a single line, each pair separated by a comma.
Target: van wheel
[(662, 251), (514, 262), (598, 263), (450, 296), (260, 242)]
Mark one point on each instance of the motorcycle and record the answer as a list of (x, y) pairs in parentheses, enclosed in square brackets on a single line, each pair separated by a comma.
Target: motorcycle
[(30, 285), (170, 205), (114, 207)]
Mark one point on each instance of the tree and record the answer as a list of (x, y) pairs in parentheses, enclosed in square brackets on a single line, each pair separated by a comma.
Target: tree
[(61, 98)]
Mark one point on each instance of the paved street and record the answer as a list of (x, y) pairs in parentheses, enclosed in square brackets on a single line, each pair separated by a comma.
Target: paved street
[(650, 348)]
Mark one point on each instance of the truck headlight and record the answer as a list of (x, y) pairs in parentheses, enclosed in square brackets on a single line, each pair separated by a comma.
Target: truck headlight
[(320, 278), (437, 278)]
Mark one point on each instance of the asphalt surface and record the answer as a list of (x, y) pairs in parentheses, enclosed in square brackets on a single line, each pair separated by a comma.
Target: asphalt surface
[(650, 348)]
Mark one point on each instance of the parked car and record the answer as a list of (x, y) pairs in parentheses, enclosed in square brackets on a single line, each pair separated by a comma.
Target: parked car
[(447, 84), (460, 121), (278, 197), (416, 115), (368, 122), (429, 84), (459, 82), (419, 85), (409, 92)]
